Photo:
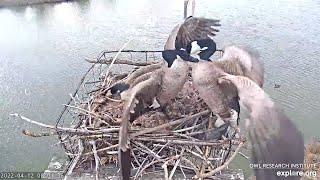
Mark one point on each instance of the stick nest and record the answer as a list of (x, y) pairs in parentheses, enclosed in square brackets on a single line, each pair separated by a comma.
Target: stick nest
[(181, 143)]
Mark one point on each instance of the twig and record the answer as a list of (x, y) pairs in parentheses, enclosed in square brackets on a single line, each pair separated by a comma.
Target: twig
[(135, 158), (76, 159), (74, 100), (113, 100), (207, 150), (243, 155), (148, 150), (70, 100), (42, 134), (103, 149), (74, 94), (172, 123), (181, 169), (165, 168), (220, 168), (194, 167), (185, 142), (121, 61), (91, 113), (148, 165), (96, 158), (130, 51), (156, 161), (32, 121), (113, 60), (138, 172), (68, 130), (176, 164), (196, 155)]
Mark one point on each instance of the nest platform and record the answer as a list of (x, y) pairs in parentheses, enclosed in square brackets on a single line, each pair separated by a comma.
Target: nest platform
[(171, 146)]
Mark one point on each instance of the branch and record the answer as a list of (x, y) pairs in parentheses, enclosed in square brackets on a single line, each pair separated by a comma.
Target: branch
[(42, 134), (96, 158), (220, 168), (91, 113), (68, 130), (176, 165), (165, 168), (120, 61), (76, 159), (103, 149), (183, 142), (172, 123), (113, 60)]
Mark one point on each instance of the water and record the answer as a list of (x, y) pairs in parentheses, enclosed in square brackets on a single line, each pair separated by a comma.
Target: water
[(42, 51)]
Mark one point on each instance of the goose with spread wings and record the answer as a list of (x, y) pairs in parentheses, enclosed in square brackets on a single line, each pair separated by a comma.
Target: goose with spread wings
[(164, 82), (274, 138)]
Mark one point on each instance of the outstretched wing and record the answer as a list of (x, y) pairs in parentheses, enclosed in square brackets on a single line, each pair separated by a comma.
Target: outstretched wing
[(145, 89), (242, 62), (275, 140), (195, 28)]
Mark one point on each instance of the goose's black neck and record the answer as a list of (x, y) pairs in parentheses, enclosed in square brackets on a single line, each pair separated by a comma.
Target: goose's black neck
[(171, 55), (208, 46)]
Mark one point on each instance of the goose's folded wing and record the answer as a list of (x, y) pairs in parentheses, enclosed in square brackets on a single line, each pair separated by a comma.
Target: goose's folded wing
[(195, 29), (144, 77)]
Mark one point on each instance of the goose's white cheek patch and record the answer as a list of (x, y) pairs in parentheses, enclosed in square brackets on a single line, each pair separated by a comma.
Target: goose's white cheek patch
[(195, 48)]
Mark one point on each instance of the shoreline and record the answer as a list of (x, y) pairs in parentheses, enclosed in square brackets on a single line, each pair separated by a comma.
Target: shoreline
[(13, 3)]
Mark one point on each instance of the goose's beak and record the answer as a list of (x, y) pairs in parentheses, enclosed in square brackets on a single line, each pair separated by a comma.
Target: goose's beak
[(195, 48)]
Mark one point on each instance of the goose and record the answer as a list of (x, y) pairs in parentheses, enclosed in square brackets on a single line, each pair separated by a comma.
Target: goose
[(221, 101), (187, 38), (274, 138), (164, 83)]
